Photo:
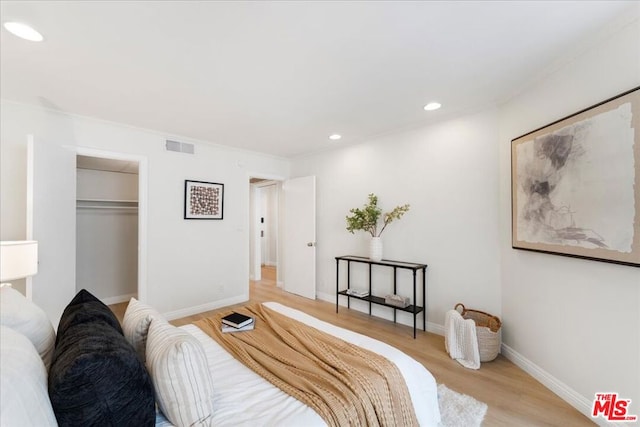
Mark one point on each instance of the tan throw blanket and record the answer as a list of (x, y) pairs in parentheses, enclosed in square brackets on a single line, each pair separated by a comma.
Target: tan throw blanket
[(345, 384)]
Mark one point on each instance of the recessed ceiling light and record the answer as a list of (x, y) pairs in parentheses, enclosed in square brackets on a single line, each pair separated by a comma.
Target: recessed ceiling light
[(432, 106), (23, 31), (335, 137)]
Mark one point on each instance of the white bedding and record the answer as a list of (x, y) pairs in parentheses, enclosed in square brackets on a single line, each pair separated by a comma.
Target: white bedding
[(243, 398)]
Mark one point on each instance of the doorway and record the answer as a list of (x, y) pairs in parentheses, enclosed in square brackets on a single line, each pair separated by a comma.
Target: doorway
[(107, 228), (51, 216), (295, 236), (117, 196), (264, 232)]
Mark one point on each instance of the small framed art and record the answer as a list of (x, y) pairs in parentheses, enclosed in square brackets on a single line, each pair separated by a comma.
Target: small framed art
[(203, 200), (576, 184)]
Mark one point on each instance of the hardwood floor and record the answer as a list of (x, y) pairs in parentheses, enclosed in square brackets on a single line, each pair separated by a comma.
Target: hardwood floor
[(268, 275), (513, 396)]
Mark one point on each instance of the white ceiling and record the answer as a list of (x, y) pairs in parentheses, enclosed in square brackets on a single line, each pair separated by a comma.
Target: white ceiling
[(279, 77), (103, 164)]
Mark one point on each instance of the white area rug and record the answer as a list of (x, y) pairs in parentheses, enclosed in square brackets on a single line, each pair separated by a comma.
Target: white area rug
[(459, 410)]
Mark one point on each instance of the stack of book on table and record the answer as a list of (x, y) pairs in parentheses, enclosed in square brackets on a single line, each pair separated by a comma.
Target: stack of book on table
[(358, 292), (237, 322)]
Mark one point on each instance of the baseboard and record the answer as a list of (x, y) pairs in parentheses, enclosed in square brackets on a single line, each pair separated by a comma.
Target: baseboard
[(326, 297), (569, 395), (184, 312), (435, 328), (118, 299)]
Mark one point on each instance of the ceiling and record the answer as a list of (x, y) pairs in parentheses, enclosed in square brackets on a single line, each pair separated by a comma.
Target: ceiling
[(103, 164), (280, 77)]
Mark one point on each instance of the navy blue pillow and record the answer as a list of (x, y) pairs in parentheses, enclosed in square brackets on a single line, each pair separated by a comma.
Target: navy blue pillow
[(85, 307), (96, 378)]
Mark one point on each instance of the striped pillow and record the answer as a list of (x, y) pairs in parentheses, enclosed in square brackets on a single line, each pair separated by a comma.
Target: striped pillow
[(178, 366), (135, 325)]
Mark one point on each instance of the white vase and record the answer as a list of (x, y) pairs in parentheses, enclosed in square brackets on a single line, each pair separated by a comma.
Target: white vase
[(375, 249)]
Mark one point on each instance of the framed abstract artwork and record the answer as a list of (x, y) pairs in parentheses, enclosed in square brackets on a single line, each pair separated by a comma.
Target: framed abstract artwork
[(575, 184), (203, 200)]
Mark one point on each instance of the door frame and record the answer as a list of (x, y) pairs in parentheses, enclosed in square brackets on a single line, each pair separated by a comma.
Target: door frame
[(142, 207), (254, 239)]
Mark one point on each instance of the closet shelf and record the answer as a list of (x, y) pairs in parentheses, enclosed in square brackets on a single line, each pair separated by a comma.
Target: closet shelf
[(106, 204), (107, 200)]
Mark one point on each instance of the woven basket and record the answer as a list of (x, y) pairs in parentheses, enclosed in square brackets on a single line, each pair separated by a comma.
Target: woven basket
[(487, 331)]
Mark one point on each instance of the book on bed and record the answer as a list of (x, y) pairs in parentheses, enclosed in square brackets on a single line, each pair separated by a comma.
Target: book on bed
[(237, 320), (227, 329)]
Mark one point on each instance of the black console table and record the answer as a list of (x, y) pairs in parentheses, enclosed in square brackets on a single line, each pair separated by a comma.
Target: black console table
[(372, 299)]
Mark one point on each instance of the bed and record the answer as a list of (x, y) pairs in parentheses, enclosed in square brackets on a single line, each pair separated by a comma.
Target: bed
[(243, 398), (240, 396)]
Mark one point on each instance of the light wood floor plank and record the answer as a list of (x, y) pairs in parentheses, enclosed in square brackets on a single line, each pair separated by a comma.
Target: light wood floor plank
[(514, 397)]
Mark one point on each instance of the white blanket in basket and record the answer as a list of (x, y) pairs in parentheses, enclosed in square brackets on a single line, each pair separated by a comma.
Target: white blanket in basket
[(460, 339)]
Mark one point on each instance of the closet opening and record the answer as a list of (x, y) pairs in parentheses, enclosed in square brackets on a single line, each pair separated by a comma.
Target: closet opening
[(107, 228)]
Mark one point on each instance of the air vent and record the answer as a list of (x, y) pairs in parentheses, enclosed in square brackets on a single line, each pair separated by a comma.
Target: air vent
[(180, 147)]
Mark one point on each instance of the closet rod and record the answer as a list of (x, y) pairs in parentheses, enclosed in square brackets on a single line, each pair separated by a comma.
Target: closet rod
[(85, 200), (106, 207)]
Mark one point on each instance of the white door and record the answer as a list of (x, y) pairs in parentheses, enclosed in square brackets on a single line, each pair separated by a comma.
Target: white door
[(299, 236), (51, 220)]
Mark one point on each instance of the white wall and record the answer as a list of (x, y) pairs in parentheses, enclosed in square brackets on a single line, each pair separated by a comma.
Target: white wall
[(192, 265), (448, 173), (106, 185), (269, 211), (572, 323), (577, 322)]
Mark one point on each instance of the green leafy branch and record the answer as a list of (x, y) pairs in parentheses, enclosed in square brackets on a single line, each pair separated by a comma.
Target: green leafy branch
[(366, 219)]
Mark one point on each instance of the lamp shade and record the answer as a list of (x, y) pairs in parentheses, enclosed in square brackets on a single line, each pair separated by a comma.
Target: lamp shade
[(18, 259)]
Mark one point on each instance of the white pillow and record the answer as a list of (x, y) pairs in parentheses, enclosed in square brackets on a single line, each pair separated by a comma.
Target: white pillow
[(135, 325), (22, 315), (24, 398), (178, 366)]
